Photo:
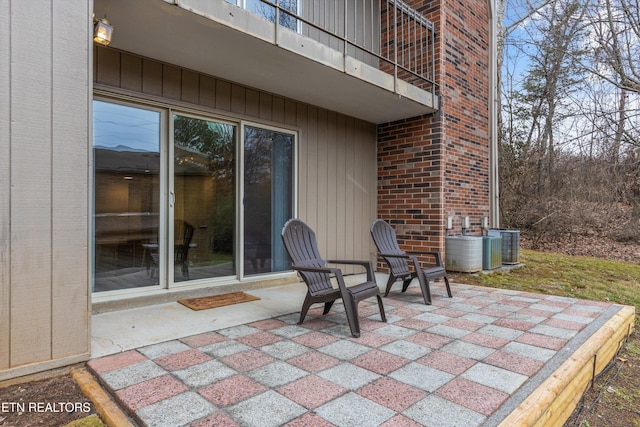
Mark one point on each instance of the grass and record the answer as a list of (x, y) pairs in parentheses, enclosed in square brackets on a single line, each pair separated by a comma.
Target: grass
[(571, 276)]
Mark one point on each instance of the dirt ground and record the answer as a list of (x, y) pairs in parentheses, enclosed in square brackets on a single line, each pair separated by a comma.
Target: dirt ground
[(612, 401)]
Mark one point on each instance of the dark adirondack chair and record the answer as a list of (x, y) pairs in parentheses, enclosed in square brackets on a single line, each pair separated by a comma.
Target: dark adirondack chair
[(300, 243), (384, 236)]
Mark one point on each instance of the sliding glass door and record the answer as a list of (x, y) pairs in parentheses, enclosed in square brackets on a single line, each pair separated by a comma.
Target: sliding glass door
[(204, 202), (181, 198), (126, 149)]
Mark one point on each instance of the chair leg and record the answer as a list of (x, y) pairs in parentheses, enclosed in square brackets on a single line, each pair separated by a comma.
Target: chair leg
[(351, 310), (327, 307), (381, 307), (406, 283), (305, 308), (446, 282), (424, 286), (390, 283)]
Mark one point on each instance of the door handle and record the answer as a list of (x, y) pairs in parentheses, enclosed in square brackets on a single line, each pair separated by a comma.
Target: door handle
[(172, 199)]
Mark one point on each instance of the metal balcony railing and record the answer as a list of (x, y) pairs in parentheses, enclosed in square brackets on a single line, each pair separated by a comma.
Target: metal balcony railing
[(386, 34)]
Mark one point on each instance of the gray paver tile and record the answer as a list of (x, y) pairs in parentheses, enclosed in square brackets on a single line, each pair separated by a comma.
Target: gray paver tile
[(269, 409), (132, 374), (285, 349), (276, 374), (530, 351), (448, 331), (344, 350), (396, 331), (572, 318), (290, 331), (348, 376), (500, 332), (434, 410), (421, 376), (164, 349), (406, 349), (225, 348), (347, 410), (238, 331), (176, 411), (471, 351), (552, 331), (204, 373), (432, 317), (494, 377)]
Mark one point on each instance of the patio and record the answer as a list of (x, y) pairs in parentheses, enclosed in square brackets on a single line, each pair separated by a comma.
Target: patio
[(484, 357)]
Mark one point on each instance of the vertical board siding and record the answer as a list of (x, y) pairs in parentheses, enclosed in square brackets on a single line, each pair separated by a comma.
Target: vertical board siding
[(69, 180), (30, 182), (44, 286), (336, 154), (5, 185)]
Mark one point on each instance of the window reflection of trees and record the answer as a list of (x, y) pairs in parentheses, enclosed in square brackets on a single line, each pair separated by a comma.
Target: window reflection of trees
[(288, 12)]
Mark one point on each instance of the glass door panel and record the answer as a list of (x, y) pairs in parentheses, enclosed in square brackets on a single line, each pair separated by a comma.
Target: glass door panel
[(204, 198), (126, 148), (268, 198)]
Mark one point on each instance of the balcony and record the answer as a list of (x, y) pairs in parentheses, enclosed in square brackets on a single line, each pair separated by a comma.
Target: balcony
[(370, 60)]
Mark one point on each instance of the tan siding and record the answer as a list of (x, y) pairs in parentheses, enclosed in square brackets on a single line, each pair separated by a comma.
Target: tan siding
[(5, 188), (151, 77), (131, 73), (108, 67), (336, 154), (70, 118), (30, 183)]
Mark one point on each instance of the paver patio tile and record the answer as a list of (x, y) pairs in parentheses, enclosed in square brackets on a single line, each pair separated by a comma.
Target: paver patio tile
[(392, 394), (446, 362), (313, 361), (182, 360), (258, 339), (380, 362), (421, 376), (531, 351), (494, 377), (285, 349), (238, 331), (175, 411), (314, 339), (520, 325), (514, 362), (309, 420), (204, 339), (434, 410), (477, 397), (117, 361), (429, 340), (556, 329), (472, 351), (268, 409), (543, 341), (372, 339), (225, 348), (348, 376), (448, 331), (218, 420), (268, 324), (406, 349), (164, 349), (276, 374), (132, 374), (204, 373), (231, 390), (400, 421), (344, 349), (311, 391), (247, 360), (485, 340), (149, 392), (345, 411), (289, 331)]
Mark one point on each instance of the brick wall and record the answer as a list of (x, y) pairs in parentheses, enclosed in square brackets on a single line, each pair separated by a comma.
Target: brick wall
[(438, 165)]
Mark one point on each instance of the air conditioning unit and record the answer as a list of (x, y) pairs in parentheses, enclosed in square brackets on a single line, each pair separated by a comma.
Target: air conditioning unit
[(463, 253), (510, 244), (491, 252)]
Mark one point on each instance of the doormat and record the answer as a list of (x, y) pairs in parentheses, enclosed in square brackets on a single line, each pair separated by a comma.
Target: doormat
[(203, 303)]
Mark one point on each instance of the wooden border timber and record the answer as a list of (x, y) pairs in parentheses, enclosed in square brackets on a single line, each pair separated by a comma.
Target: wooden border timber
[(553, 402)]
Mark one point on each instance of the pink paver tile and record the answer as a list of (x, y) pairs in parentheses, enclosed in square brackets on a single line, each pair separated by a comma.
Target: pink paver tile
[(218, 420), (392, 394), (149, 392), (182, 360), (372, 339), (371, 325), (564, 324), (117, 361), (313, 361), (517, 303), (380, 362), (231, 390), (485, 340), (314, 339), (400, 421), (554, 303), (464, 324), (595, 303), (543, 341), (247, 360), (202, 340), (316, 324), (311, 391), (514, 362), (418, 325), (514, 324), (429, 340), (493, 312), (268, 324), (474, 396), (309, 420), (447, 362), (259, 339)]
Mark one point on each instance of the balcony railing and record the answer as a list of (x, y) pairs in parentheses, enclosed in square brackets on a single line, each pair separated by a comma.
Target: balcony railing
[(388, 35)]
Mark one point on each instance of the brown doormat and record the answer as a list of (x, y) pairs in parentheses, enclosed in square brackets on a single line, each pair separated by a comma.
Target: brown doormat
[(214, 301)]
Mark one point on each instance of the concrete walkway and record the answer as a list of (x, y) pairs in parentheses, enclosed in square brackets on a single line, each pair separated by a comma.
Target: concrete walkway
[(469, 360)]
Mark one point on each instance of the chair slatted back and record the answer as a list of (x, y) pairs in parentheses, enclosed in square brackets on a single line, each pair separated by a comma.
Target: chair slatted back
[(384, 236), (301, 245)]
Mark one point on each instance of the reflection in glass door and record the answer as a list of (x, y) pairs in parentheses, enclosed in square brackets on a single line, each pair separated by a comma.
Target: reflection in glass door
[(204, 198), (126, 147), (268, 198)]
